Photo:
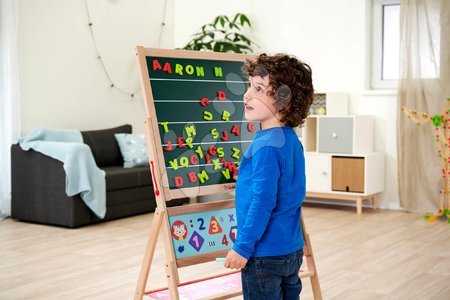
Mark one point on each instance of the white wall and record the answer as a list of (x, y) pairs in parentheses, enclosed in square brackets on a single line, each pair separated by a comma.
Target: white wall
[(332, 37), (62, 83), (315, 31), (383, 106)]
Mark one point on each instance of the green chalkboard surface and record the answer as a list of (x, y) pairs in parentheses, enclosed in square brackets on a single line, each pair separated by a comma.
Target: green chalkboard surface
[(198, 103)]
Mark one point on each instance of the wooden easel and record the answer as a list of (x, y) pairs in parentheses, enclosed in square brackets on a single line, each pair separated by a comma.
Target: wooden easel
[(164, 192)]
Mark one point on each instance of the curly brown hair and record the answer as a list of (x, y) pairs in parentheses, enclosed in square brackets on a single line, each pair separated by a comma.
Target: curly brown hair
[(291, 83)]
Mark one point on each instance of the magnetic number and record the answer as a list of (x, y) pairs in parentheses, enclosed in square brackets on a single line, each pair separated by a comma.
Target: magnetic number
[(215, 228), (225, 240), (202, 222), (195, 239)]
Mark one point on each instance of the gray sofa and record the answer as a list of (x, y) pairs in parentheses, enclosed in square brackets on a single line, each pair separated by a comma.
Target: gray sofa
[(38, 185)]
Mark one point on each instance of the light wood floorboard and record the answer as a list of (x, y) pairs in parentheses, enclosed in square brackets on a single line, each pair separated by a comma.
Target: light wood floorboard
[(377, 255)]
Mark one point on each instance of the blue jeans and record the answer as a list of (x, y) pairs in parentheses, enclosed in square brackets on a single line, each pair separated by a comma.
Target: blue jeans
[(272, 277)]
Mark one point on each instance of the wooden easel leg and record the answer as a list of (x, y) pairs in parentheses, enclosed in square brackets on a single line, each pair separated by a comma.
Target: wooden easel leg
[(171, 268), (310, 262), (149, 252), (172, 279)]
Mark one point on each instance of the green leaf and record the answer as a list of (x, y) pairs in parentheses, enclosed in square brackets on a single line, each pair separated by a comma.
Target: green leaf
[(208, 46), (244, 20), (243, 38), (225, 48), (236, 17), (228, 35), (216, 20), (217, 47)]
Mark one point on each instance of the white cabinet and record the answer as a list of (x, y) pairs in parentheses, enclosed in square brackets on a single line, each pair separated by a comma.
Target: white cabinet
[(318, 172), (340, 161), (345, 174)]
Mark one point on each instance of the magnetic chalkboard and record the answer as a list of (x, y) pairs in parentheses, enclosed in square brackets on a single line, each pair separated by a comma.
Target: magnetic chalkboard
[(195, 103)]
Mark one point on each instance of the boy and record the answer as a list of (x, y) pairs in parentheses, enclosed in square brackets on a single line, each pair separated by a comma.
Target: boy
[(271, 184)]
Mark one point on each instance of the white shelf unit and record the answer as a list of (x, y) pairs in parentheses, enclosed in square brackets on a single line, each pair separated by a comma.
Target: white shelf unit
[(338, 134), (340, 161), (331, 103)]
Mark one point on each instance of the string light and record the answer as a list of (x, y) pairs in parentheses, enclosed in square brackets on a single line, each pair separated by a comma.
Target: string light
[(113, 85)]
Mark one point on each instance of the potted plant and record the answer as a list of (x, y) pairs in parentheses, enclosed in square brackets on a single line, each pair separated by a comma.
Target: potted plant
[(223, 35)]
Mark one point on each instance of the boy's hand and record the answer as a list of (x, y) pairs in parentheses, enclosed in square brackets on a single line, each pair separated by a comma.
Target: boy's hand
[(234, 260)]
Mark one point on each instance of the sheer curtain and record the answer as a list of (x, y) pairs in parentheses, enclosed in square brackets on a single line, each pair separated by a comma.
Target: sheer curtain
[(9, 98), (424, 85)]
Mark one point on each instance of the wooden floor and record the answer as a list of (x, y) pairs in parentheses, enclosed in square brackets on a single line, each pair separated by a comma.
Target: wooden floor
[(378, 255)]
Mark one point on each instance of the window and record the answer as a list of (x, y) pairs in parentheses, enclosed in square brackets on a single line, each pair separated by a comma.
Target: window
[(390, 48), (385, 44)]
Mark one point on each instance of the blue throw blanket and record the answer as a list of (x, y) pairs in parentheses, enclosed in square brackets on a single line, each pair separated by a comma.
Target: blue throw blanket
[(82, 174)]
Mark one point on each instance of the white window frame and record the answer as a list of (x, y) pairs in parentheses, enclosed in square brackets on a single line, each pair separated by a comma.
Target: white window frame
[(376, 81)]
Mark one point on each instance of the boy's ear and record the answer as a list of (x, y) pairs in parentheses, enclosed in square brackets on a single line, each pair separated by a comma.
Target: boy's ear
[(282, 97)]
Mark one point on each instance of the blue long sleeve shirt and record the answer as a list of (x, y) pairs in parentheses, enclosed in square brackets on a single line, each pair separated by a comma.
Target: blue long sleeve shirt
[(270, 189)]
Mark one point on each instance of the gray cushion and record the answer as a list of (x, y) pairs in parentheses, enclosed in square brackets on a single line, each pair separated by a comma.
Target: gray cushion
[(125, 178), (104, 146)]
